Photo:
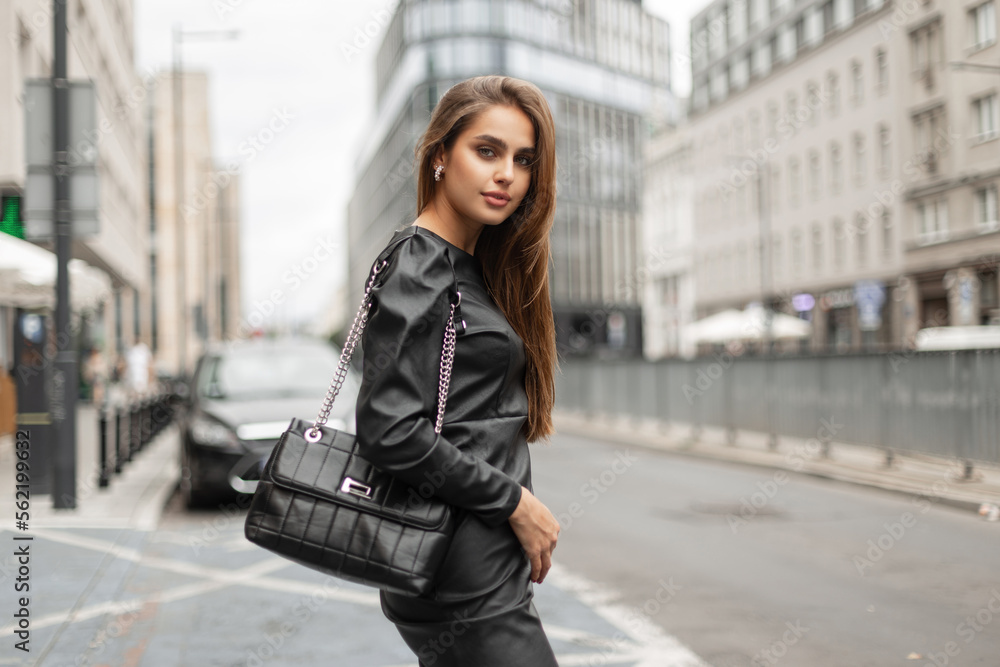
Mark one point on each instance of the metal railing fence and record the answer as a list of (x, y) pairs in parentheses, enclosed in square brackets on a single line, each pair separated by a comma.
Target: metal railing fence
[(939, 403)]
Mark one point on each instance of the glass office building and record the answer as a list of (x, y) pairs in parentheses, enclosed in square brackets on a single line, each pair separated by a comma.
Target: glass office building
[(604, 68)]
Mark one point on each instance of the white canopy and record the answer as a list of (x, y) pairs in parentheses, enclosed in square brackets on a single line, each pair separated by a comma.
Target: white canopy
[(958, 338), (28, 278), (749, 324)]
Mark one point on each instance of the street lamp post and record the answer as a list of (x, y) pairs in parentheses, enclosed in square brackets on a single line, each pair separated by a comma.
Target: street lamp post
[(764, 220), (763, 183), (64, 460), (179, 37)]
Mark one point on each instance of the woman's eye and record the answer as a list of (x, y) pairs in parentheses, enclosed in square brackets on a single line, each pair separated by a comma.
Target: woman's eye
[(524, 160)]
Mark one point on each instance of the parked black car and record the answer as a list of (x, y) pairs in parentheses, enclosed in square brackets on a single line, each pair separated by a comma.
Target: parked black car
[(242, 397)]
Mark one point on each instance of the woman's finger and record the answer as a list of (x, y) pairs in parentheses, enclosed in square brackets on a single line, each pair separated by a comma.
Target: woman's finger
[(546, 566)]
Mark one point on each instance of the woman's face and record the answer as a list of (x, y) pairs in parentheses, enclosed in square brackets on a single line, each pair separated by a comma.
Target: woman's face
[(492, 155)]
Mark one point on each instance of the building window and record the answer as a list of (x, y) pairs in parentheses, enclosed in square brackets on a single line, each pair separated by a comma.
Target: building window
[(719, 83), (776, 255), (932, 218), (857, 83), (983, 25), (859, 159), (839, 243), (699, 45), (828, 14), (815, 175), (836, 168), (817, 245), (761, 62), (800, 34), (775, 188), (925, 49), (833, 93), (814, 101), (792, 110), (723, 133), (796, 252), (928, 127), (884, 150), (986, 208), (794, 176), (772, 119), (886, 233), (757, 11), (716, 37), (984, 114), (881, 71), (861, 238)]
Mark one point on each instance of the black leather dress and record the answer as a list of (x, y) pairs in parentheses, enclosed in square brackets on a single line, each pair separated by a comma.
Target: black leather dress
[(480, 613)]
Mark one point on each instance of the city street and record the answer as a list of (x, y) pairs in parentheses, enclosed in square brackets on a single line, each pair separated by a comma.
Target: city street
[(743, 256), (185, 588), (661, 557), (772, 565)]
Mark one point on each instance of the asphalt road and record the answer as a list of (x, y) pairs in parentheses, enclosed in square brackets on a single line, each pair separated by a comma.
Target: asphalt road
[(742, 565), (749, 566)]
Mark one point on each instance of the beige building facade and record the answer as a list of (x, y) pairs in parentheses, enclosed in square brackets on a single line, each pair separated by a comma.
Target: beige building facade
[(196, 235), (841, 170), (950, 107), (667, 271), (101, 48)]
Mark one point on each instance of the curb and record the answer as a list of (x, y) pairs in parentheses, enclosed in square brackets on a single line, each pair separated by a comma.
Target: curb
[(705, 448)]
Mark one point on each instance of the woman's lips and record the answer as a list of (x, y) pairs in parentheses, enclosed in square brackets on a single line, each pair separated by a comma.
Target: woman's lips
[(495, 201)]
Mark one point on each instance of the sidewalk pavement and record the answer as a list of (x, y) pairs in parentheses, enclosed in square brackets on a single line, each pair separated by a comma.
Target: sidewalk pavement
[(940, 480), (134, 497)]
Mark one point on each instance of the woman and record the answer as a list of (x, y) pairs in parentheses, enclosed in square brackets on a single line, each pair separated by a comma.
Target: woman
[(486, 200)]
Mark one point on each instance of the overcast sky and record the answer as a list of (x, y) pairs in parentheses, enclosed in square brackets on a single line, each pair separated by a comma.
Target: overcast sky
[(288, 61)]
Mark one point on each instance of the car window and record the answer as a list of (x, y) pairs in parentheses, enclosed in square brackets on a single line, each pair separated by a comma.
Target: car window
[(269, 372)]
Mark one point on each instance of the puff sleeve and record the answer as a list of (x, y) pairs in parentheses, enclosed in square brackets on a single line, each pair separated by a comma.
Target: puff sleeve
[(397, 401)]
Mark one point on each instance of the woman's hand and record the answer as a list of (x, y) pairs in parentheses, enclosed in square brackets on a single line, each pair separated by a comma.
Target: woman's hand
[(537, 530)]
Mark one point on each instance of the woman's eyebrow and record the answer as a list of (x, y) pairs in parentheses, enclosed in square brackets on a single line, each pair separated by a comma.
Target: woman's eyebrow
[(503, 144)]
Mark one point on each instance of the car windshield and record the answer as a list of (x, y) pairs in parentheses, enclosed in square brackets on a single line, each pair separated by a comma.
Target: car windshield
[(269, 373)]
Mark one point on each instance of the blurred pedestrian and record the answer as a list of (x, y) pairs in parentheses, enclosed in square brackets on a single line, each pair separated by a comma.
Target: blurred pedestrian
[(138, 364), (95, 374)]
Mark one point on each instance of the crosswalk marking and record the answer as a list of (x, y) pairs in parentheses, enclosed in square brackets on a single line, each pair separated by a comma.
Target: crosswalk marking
[(640, 643)]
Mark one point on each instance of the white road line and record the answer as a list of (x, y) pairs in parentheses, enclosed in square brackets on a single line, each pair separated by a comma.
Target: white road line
[(212, 573), (581, 638), (647, 645), (246, 575), (660, 648), (575, 659)]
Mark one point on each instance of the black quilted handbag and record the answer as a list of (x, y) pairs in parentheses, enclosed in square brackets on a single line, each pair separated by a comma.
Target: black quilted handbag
[(320, 504)]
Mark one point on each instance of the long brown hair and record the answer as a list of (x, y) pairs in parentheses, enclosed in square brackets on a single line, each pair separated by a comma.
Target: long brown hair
[(515, 254)]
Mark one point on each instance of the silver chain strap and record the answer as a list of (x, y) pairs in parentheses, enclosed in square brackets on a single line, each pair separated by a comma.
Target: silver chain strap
[(313, 433), (447, 357)]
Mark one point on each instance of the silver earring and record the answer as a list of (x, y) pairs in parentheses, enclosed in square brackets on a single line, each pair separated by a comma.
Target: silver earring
[(437, 172)]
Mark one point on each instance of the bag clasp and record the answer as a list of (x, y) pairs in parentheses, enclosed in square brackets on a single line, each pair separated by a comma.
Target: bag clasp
[(356, 488)]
